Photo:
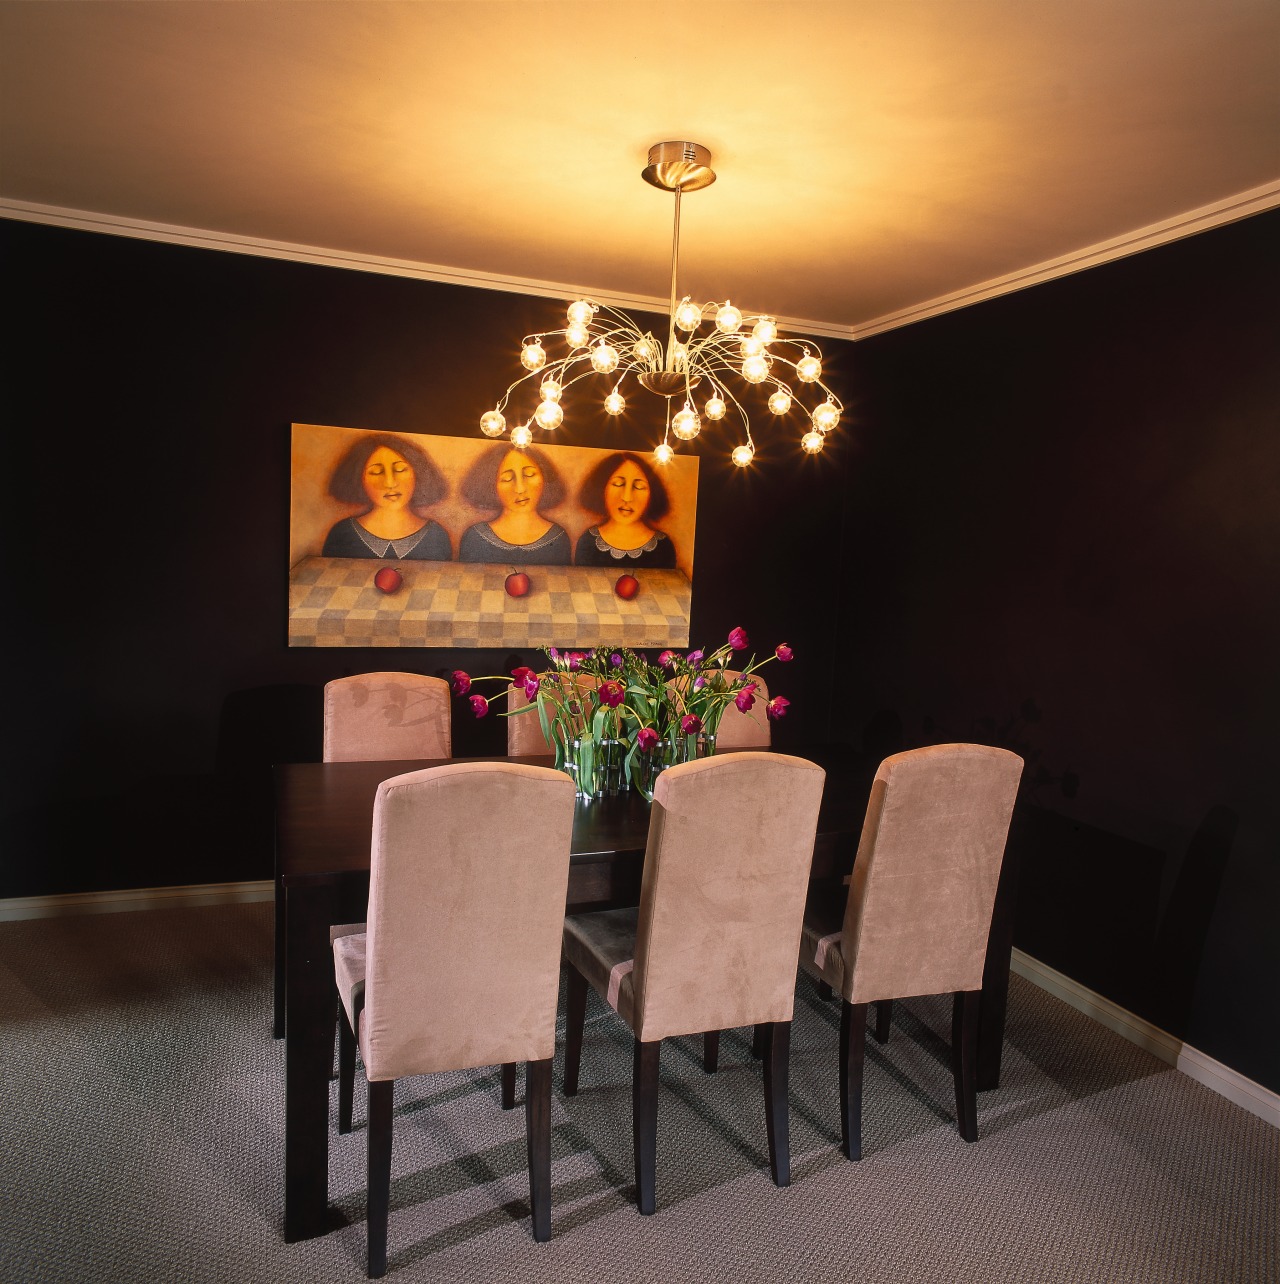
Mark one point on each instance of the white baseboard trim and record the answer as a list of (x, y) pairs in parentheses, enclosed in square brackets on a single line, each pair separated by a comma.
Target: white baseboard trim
[(1221, 1079), (134, 898)]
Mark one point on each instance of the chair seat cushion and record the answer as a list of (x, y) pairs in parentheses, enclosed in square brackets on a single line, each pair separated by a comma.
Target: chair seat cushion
[(602, 946), (820, 953), (348, 971)]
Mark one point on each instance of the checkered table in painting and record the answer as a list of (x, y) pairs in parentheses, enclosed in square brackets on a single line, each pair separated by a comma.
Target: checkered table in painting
[(333, 602)]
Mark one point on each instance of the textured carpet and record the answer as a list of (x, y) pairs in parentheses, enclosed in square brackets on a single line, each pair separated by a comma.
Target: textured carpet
[(143, 1117)]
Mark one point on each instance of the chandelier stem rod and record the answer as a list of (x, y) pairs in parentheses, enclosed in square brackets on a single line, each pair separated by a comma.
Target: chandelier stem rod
[(675, 265)]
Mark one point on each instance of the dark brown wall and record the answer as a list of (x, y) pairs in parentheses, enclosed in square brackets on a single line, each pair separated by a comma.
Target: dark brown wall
[(148, 391), (1064, 537), (1052, 524)]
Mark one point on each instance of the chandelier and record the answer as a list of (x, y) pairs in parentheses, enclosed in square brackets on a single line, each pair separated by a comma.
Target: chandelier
[(708, 346)]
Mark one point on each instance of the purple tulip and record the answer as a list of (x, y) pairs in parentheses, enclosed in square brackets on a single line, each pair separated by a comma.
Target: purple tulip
[(616, 660), (777, 707), (479, 705), (695, 657), (783, 652), (690, 724), (646, 738), (531, 685), (611, 693), (461, 682), (738, 640), (575, 660), (746, 697), (521, 675), (666, 658)]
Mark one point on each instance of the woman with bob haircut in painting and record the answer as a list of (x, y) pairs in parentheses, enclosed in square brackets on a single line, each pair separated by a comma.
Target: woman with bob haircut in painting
[(627, 491), (517, 483), (395, 481)]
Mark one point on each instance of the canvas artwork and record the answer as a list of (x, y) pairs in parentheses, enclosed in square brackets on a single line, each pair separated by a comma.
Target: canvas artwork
[(403, 539)]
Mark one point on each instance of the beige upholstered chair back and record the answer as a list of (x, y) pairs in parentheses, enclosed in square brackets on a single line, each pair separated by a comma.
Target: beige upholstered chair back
[(723, 892), (469, 874), (524, 734), (378, 717), (740, 730), (924, 883)]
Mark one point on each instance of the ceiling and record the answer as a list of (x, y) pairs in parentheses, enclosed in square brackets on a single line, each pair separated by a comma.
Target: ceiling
[(873, 157)]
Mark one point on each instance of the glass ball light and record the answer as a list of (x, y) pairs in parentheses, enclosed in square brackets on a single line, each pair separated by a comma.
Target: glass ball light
[(743, 455), (580, 312), (550, 389), (663, 453), (826, 416), (715, 408), (751, 348), (765, 330), (685, 424), (780, 402), (728, 319), (493, 423), (615, 403), (808, 369), (533, 356), (549, 415), (755, 369), (688, 316), (521, 436), (812, 442), (576, 336), (604, 358), (642, 350)]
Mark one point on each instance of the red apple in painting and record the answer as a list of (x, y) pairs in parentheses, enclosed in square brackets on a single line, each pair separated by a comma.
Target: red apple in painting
[(627, 587), (388, 579), (517, 584)]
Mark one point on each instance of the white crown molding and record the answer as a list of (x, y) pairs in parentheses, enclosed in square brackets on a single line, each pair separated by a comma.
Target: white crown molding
[(200, 238), (1219, 1078), (1228, 210)]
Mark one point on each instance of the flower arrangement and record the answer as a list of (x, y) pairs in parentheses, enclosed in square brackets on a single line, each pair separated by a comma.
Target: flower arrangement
[(612, 716)]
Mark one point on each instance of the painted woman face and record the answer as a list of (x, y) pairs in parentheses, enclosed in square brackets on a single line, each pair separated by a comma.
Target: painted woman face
[(389, 479), (626, 493), (519, 483)]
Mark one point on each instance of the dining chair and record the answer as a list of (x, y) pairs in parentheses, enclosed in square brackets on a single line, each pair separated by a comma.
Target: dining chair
[(918, 912), (711, 945), (460, 964), (524, 733), (749, 730), (386, 716)]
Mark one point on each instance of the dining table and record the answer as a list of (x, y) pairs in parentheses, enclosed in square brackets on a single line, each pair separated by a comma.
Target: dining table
[(323, 826)]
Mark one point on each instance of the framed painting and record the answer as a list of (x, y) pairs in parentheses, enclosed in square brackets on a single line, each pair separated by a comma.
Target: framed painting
[(403, 539)]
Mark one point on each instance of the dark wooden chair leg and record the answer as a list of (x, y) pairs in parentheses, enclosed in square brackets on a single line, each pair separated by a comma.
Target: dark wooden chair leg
[(853, 1033), (759, 1041), (964, 1060), (381, 1101), (346, 1070), (777, 1115), (884, 1014), (537, 1122), (509, 1085), (575, 1019), (711, 1051), (825, 992), (644, 1121)]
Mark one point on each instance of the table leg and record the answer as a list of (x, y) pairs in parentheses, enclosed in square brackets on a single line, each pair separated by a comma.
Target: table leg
[(995, 977), (312, 1007), (278, 1002)]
